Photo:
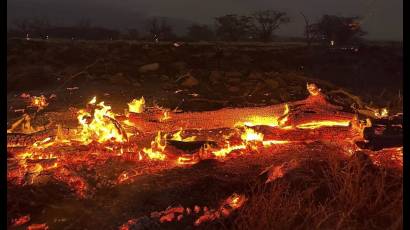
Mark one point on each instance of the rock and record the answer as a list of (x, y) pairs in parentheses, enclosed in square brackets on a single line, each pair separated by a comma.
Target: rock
[(215, 77), (234, 80), (234, 74), (274, 101), (164, 78), (136, 84), (179, 66), (120, 79), (141, 224), (284, 94), (149, 68), (296, 90), (190, 81), (255, 75), (282, 82), (273, 84), (233, 89)]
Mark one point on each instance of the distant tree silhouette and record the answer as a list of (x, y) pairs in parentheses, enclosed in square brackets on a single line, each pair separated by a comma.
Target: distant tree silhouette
[(309, 37), (233, 27), (340, 30), (198, 32), (132, 34), (266, 22), (159, 29)]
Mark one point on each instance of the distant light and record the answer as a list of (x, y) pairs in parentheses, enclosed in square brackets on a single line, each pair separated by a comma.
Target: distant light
[(27, 37), (332, 43)]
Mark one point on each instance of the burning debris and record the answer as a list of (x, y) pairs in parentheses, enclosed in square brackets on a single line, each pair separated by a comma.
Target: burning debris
[(198, 214), (163, 140)]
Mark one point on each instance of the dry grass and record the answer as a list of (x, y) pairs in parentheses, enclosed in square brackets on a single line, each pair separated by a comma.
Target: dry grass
[(326, 194)]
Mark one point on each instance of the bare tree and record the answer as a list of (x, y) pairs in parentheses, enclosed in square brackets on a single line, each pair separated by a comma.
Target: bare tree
[(159, 29), (267, 21), (233, 27), (22, 25), (308, 30), (338, 30)]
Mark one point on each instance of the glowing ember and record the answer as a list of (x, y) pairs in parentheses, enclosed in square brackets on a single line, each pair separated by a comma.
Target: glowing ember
[(20, 221), (137, 106), (223, 152), (39, 102), (268, 121), (157, 147), (37, 227), (165, 116), (381, 113), (318, 124), (177, 137), (313, 89), (23, 125), (251, 135)]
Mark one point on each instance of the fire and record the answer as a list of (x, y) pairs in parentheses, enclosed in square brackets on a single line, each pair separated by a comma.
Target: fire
[(187, 160), (39, 102), (313, 89), (223, 152), (177, 137), (318, 124), (21, 220), (165, 116), (102, 127), (24, 123), (157, 147), (251, 135), (382, 113), (268, 121), (137, 106), (274, 142)]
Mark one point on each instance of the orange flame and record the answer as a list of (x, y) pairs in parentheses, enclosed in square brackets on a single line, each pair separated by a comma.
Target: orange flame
[(137, 106), (103, 126)]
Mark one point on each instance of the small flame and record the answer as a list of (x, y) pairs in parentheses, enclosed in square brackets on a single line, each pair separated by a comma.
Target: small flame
[(39, 102), (177, 137), (137, 106), (313, 89), (103, 126), (157, 147), (165, 116), (382, 113), (251, 135)]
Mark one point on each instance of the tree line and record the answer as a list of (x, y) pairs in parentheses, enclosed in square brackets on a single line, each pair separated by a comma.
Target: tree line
[(258, 26)]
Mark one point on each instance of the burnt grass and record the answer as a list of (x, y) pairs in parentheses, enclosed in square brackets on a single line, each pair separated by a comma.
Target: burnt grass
[(327, 191)]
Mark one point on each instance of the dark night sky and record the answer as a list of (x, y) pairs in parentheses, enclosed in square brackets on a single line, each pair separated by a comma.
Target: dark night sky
[(383, 19)]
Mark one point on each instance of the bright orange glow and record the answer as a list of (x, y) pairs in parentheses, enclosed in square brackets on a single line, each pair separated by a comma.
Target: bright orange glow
[(102, 128), (313, 89), (267, 121), (157, 147), (382, 113), (39, 102), (251, 135), (223, 152), (318, 124), (177, 137), (137, 106)]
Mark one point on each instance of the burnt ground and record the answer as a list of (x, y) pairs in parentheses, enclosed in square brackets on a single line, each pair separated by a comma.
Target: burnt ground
[(222, 76)]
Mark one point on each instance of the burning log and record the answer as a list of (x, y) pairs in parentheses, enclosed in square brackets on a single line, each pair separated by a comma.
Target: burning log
[(313, 108), (384, 133)]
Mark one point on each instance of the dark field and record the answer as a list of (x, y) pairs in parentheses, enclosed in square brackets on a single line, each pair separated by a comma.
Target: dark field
[(328, 185)]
